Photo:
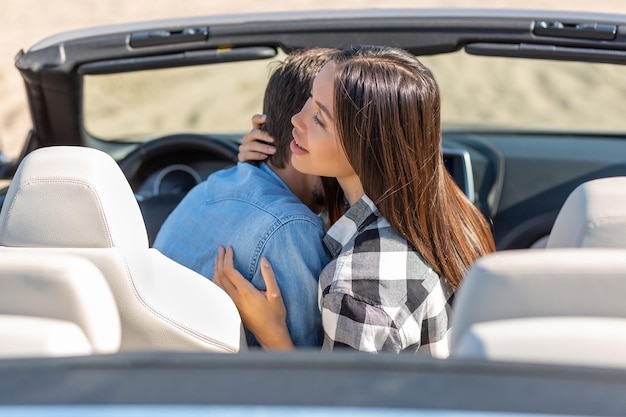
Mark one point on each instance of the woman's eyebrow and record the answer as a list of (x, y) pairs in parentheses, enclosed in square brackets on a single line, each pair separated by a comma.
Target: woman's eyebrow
[(323, 108)]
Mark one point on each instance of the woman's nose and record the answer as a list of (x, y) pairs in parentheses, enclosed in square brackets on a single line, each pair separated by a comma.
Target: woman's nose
[(295, 119)]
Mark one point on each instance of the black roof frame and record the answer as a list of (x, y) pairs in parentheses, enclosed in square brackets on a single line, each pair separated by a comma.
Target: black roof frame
[(52, 69)]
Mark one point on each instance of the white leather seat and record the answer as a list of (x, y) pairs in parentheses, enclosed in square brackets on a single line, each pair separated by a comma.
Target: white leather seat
[(594, 215), (54, 305), (76, 200), (543, 305)]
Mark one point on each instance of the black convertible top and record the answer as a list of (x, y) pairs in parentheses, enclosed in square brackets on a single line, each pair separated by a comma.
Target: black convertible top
[(52, 68)]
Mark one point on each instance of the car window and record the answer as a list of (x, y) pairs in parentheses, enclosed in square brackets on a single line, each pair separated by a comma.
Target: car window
[(478, 93), (142, 105), (517, 94)]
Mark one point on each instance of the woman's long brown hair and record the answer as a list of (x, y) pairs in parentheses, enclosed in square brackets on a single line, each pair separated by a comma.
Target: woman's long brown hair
[(387, 111)]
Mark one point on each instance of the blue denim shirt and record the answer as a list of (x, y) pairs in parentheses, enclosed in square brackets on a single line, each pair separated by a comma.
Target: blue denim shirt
[(250, 209)]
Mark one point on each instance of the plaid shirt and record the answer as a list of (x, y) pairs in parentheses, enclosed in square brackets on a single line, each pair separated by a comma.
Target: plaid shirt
[(377, 294)]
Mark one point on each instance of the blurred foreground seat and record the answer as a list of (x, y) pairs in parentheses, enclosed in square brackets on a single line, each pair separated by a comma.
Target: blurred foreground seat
[(544, 305), (593, 216), (54, 305), (76, 200)]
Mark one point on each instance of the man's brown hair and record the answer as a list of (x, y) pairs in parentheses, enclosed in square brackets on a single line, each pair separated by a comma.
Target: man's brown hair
[(286, 92)]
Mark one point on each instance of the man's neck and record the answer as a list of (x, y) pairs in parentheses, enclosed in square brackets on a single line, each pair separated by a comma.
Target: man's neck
[(300, 184)]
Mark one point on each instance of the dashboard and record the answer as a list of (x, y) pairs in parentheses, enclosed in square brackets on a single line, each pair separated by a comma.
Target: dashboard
[(518, 181), (182, 177), (162, 171)]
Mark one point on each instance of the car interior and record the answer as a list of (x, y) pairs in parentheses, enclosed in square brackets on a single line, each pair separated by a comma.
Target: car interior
[(93, 186), (60, 305), (539, 306), (593, 216), (92, 212)]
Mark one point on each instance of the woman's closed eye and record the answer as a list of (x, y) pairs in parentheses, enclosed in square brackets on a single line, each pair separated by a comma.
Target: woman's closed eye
[(317, 120)]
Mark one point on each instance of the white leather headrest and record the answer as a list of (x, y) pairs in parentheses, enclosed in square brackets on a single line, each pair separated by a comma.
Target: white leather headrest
[(50, 297), (594, 215), (533, 283), (70, 196), (563, 340)]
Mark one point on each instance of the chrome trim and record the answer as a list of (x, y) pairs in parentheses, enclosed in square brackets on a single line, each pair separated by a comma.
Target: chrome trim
[(467, 170)]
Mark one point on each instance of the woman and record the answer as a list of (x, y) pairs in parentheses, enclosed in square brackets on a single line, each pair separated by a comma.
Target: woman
[(409, 235)]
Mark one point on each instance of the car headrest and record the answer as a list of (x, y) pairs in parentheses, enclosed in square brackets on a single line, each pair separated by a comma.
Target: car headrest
[(536, 283), (594, 215), (54, 304), (70, 196)]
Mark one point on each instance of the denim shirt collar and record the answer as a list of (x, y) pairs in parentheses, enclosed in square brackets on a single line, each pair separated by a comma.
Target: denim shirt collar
[(265, 168), (361, 214)]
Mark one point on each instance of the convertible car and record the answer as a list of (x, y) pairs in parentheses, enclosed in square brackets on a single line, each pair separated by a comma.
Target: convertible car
[(128, 118)]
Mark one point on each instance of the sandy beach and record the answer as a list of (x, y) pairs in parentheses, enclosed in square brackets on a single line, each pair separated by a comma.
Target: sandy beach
[(26, 22)]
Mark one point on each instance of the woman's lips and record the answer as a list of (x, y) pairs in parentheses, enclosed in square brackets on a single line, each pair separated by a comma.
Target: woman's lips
[(296, 149)]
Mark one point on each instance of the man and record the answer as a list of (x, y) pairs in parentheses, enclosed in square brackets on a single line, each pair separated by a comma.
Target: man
[(270, 210)]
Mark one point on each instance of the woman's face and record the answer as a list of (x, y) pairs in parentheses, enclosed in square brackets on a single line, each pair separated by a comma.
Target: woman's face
[(315, 146)]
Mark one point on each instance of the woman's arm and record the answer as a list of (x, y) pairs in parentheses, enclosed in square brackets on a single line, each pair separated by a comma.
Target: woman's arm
[(262, 312)]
